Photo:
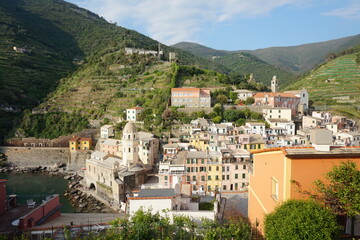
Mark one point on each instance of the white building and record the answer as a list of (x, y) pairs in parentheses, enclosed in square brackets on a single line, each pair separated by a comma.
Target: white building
[(169, 202), (282, 126), (243, 94), (347, 138), (107, 131), (277, 113), (256, 128), (132, 113)]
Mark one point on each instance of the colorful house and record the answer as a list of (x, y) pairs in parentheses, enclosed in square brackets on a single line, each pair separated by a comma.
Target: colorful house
[(276, 174), (196, 165), (79, 144), (276, 99)]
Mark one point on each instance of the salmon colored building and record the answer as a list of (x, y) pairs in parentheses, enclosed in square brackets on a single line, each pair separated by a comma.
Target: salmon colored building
[(276, 99), (273, 170), (190, 97)]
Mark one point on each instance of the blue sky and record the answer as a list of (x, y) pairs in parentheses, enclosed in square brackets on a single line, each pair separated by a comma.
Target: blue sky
[(233, 24)]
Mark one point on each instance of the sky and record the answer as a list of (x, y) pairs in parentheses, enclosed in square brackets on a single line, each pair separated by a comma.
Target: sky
[(233, 24)]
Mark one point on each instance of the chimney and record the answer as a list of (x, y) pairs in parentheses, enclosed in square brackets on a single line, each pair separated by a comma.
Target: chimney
[(321, 139)]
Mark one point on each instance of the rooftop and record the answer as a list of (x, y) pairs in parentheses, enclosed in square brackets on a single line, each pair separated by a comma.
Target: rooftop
[(161, 192), (274, 94), (303, 152)]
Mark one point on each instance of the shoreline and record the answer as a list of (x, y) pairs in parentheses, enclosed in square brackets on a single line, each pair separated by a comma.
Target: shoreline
[(75, 192)]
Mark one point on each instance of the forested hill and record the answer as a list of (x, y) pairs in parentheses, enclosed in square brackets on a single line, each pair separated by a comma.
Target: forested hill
[(53, 39), (241, 62), (295, 59)]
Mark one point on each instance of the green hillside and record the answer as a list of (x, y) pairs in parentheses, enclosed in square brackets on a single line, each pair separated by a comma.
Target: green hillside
[(59, 38), (295, 59), (302, 58), (335, 84), (200, 50), (246, 63), (240, 62)]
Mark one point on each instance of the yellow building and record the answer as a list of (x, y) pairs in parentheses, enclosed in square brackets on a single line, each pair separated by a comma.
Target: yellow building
[(200, 141), (78, 144), (255, 142), (214, 172)]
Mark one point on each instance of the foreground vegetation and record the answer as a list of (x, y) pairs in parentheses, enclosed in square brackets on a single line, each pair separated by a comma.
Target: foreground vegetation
[(144, 225)]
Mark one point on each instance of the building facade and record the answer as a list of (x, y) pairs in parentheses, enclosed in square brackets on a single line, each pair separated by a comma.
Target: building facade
[(190, 97)]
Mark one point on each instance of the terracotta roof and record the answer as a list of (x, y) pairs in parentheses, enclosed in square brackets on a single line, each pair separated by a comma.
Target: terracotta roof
[(85, 139), (274, 94), (185, 89), (74, 139), (311, 150)]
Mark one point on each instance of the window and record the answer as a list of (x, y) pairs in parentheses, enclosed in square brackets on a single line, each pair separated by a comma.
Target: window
[(209, 169), (194, 187), (243, 175), (216, 177), (188, 178), (217, 168), (188, 161), (236, 176), (274, 189), (236, 186), (166, 178), (224, 187), (202, 161), (236, 167), (228, 168), (227, 177), (223, 177), (194, 178), (244, 167), (209, 188), (202, 178), (209, 178)]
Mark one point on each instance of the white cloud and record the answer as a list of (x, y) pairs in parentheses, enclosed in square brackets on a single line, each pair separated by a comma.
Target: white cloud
[(171, 21), (352, 11)]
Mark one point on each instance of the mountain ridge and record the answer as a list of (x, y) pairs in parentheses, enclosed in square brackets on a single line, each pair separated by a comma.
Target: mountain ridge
[(297, 59)]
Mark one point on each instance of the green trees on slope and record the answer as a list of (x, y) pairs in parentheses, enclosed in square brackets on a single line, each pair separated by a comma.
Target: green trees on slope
[(300, 219), (52, 124)]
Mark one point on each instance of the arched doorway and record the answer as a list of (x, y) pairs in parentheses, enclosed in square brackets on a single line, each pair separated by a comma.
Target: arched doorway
[(92, 187)]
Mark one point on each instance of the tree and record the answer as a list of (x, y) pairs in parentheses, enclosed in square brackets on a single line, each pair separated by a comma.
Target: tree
[(217, 119), (222, 99), (233, 96), (249, 100), (342, 193), (300, 219)]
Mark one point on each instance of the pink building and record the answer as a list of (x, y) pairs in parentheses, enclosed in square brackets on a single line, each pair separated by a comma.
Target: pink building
[(190, 97), (275, 99), (110, 146), (196, 164)]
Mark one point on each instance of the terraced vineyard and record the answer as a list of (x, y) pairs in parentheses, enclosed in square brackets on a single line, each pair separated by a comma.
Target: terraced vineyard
[(335, 83)]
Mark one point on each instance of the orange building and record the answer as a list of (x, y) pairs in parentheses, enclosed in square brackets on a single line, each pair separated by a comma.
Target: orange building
[(273, 170)]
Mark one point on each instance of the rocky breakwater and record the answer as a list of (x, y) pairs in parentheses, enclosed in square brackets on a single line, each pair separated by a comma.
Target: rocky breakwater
[(56, 170), (83, 202)]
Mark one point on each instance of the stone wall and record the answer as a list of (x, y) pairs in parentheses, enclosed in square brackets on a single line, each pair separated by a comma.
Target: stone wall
[(77, 160), (33, 157)]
